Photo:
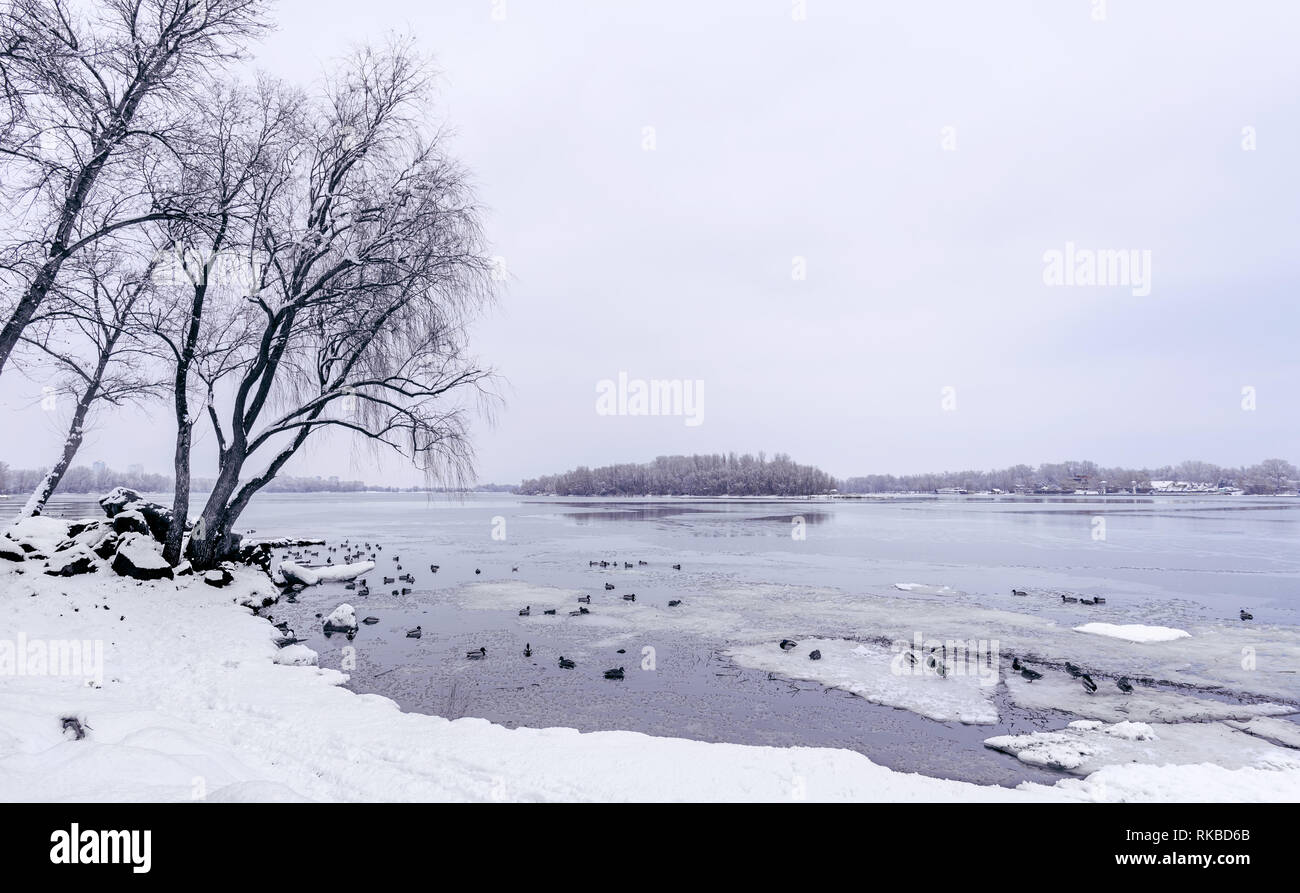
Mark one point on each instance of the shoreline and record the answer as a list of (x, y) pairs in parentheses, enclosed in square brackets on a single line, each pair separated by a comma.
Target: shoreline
[(193, 706)]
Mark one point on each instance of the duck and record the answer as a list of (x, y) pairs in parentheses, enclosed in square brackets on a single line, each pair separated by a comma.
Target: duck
[(642, 564), (1016, 664), (566, 664), (609, 586), (390, 579), (1087, 601), (787, 644), (1088, 685), (814, 655), (370, 621), (528, 649), (674, 602), (1098, 600), (1019, 592), (1069, 598), (677, 567), (629, 597), (549, 611), (585, 599), (1073, 670), (476, 655), (1124, 685), (526, 611), (433, 568), (414, 633), (1246, 615), (1031, 675), (616, 673), (514, 569), (627, 565), (477, 571)]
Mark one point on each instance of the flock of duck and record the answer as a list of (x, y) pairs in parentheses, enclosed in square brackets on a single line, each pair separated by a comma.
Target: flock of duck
[(364, 552), (367, 552)]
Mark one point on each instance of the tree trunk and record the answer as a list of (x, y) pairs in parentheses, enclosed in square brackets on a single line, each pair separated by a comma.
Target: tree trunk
[(76, 432)]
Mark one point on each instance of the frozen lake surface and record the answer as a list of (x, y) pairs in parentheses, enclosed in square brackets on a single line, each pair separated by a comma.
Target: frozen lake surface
[(710, 668)]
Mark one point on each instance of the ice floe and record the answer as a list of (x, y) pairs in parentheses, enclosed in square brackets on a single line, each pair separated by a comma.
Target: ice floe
[(1134, 632), (1086, 746), (880, 675)]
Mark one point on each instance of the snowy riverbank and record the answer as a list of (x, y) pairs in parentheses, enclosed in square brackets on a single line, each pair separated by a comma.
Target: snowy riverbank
[(193, 705), (183, 694)]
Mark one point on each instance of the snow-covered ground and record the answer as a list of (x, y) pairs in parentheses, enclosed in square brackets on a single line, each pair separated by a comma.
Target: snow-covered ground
[(190, 698)]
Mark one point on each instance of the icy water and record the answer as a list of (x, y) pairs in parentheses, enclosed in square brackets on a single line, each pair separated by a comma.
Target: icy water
[(1156, 560)]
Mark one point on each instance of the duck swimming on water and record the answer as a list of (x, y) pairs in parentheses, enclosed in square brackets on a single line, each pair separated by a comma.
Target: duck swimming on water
[(566, 664), (414, 633), (616, 673), (476, 655), (1246, 615), (787, 644), (1019, 592), (528, 649), (524, 612), (1073, 670)]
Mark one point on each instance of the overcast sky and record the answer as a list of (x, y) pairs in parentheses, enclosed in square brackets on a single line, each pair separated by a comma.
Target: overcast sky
[(921, 158)]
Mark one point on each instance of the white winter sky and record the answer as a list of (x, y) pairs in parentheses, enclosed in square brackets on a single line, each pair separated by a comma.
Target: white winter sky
[(822, 138)]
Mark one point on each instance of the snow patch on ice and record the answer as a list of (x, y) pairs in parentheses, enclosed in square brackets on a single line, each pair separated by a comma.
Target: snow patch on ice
[(869, 671), (1134, 632)]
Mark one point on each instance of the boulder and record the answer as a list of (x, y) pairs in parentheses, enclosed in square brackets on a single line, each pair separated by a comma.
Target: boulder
[(218, 577), (137, 557), (9, 550), (130, 521), (71, 562), (117, 499), (341, 620)]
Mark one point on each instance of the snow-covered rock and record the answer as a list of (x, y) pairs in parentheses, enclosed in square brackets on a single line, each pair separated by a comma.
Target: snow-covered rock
[(139, 556), (310, 576), (70, 562), (218, 577), (296, 655), (342, 619)]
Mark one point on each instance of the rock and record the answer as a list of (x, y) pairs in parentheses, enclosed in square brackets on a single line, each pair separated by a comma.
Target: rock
[(184, 569), (158, 517), (10, 551), (218, 577), (130, 521), (117, 499), (341, 620), (296, 655), (107, 545), (814, 655), (137, 557), (71, 562)]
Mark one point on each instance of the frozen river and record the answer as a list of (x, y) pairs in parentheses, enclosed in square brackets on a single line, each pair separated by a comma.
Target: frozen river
[(753, 572)]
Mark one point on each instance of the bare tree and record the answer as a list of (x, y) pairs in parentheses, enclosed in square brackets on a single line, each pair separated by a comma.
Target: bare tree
[(92, 97), (239, 156), (88, 339), (370, 264)]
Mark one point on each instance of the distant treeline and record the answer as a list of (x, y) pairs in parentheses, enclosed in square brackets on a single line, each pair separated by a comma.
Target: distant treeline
[(732, 475), (712, 475), (1267, 477), (84, 479)]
